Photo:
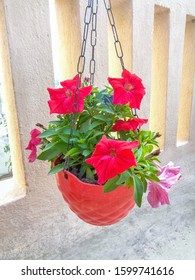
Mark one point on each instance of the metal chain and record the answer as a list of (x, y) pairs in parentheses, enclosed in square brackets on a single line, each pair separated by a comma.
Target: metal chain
[(117, 43), (134, 112), (80, 70), (93, 40), (87, 21), (90, 17)]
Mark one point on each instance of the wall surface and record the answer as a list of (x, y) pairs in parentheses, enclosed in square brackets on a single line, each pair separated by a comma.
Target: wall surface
[(40, 225)]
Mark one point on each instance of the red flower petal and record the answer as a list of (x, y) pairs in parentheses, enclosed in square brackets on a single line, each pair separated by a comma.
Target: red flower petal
[(62, 100), (131, 78), (122, 125), (72, 83), (34, 141), (116, 82), (30, 146), (56, 106), (131, 124), (85, 91), (65, 106), (112, 157), (34, 133), (128, 89), (33, 155), (120, 97), (56, 93)]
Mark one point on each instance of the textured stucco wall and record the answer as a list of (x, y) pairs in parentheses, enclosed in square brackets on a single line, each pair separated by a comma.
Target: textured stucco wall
[(28, 30), (31, 61), (18, 187), (40, 225)]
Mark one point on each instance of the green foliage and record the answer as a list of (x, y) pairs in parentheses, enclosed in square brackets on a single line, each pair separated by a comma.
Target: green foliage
[(56, 169)]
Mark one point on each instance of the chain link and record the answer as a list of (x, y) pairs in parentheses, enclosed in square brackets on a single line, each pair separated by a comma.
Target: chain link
[(92, 63), (80, 70), (87, 21), (117, 43)]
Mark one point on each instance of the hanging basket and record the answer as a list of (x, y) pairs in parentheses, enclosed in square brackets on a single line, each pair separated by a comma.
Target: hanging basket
[(91, 204)]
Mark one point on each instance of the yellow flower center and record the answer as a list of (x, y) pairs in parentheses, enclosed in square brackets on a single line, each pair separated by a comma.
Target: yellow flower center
[(128, 87)]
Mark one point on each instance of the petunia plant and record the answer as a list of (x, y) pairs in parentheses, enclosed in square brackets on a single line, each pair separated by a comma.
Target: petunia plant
[(98, 136)]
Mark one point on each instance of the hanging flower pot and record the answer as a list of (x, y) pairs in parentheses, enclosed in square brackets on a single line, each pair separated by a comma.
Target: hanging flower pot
[(91, 204), (98, 136)]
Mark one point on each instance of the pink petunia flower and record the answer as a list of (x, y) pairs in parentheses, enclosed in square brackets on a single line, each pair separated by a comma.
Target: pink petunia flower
[(68, 99), (131, 124), (112, 157), (128, 89), (33, 143), (158, 191)]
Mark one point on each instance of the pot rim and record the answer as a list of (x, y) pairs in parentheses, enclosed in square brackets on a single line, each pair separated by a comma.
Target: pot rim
[(75, 177)]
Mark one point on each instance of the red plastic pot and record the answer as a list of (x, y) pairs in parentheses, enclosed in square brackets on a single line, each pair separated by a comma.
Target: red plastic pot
[(91, 204)]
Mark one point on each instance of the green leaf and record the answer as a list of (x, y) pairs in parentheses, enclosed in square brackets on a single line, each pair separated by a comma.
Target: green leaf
[(82, 146), (129, 182), (52, 152), (155, 159), (98, 133), (89, 174), (94, 124), (144, 164), (102, 118), (82, 141), (63, 130), (48, 146), (56, 169), (149, 148), (106, 109), (55, 122), (49, 154), (122, 178), (82, 171), (138, 190), (138, 154), (153, 142), (145, 183), (73, 152), (63, 137), (48, 133), (85, 126), (61, 147), (111, 184), (152, 177), (86, 153)]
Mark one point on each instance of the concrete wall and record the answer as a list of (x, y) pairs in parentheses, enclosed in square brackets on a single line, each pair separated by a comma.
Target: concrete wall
[(40, 225)]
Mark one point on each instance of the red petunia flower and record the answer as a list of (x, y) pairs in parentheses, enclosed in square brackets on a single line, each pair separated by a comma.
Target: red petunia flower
[(32, 145), (131, 124), (112, 157), (128, 89), (63, 99), (72, 83)]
